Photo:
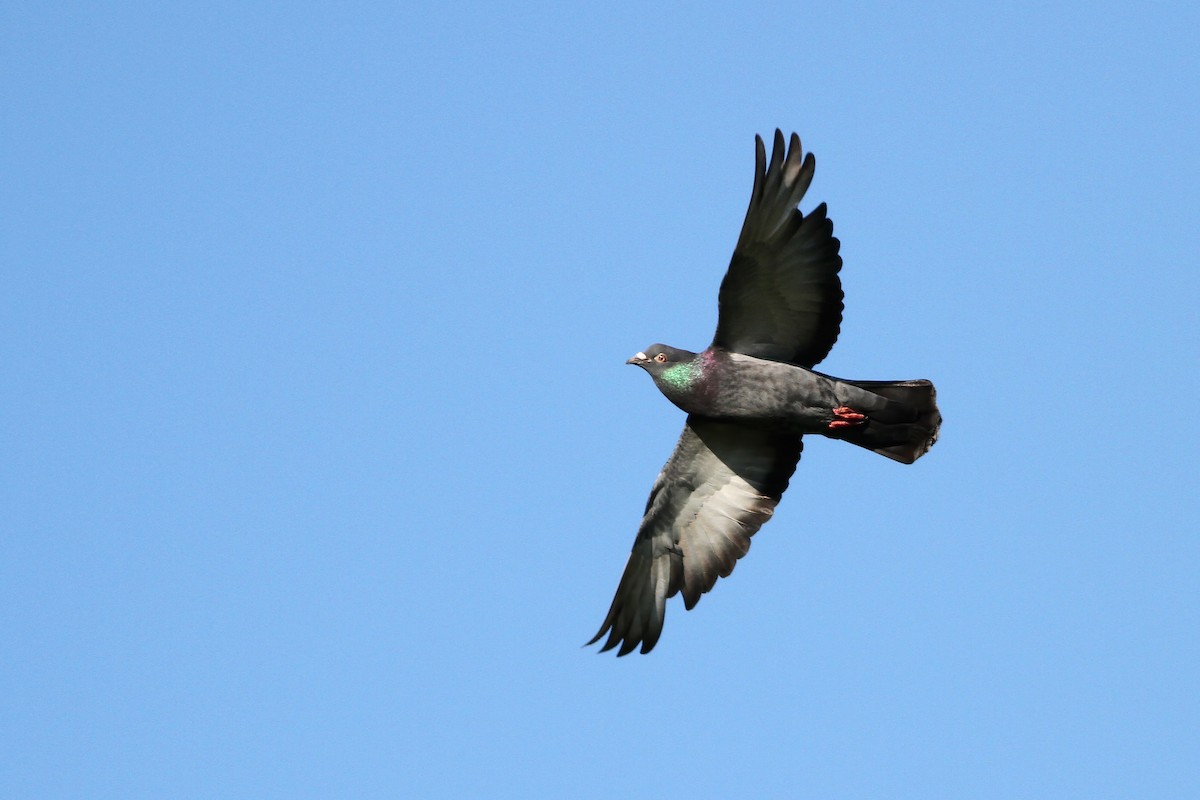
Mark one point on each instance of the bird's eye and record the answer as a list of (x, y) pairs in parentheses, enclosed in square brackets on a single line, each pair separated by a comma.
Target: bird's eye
[(661, 358)]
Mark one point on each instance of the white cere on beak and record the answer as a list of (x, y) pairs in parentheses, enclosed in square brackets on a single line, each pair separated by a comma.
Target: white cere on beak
[(640, 356)]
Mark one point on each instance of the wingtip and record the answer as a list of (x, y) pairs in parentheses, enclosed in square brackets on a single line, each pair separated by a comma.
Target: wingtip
[(628, 644)]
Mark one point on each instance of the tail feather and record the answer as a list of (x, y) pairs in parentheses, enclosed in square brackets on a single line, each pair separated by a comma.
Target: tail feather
[(905, 425)]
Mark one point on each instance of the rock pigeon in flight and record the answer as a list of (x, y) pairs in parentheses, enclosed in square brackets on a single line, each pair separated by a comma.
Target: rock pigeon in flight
[(750, 397)]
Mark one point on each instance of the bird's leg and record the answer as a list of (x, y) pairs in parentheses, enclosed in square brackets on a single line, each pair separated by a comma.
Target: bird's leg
[(846, 417)]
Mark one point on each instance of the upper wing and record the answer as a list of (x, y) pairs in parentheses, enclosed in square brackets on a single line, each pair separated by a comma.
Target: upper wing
[(781, 298), (718, 488)]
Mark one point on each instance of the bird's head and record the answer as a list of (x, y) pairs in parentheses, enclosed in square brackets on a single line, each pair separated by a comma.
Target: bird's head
[(658, 358)]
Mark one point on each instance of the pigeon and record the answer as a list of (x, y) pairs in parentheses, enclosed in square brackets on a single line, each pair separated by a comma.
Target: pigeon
[(750, 398)]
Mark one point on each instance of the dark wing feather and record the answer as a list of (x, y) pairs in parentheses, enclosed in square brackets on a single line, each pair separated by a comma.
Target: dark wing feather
[(781, 298), (718, 488)]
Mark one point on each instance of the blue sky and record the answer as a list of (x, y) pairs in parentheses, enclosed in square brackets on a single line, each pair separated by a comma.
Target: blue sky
[(320, 460)]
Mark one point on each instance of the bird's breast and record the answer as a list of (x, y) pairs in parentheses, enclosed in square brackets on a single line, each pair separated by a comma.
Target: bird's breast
[(771, 394)]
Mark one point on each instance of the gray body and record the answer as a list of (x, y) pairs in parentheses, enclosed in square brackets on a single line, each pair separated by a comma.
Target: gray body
[(767, 394), (901, 416)]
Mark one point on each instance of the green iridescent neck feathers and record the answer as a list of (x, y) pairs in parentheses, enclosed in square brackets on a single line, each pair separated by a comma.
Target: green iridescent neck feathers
[(681, 376)]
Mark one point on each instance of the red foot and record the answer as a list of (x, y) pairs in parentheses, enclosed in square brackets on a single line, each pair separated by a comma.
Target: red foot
[(846, 417)]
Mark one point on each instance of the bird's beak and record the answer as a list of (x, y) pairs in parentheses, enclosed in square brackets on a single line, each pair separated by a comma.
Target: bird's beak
[(638, 359)]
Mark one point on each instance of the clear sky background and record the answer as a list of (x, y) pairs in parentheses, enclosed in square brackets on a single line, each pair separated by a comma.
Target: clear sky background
[(319, 460)]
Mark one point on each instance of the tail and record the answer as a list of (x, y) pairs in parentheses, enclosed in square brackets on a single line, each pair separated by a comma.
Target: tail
[(902, 418)]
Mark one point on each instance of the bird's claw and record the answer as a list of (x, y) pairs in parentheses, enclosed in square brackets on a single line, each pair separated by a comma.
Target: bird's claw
[(846, 417)]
